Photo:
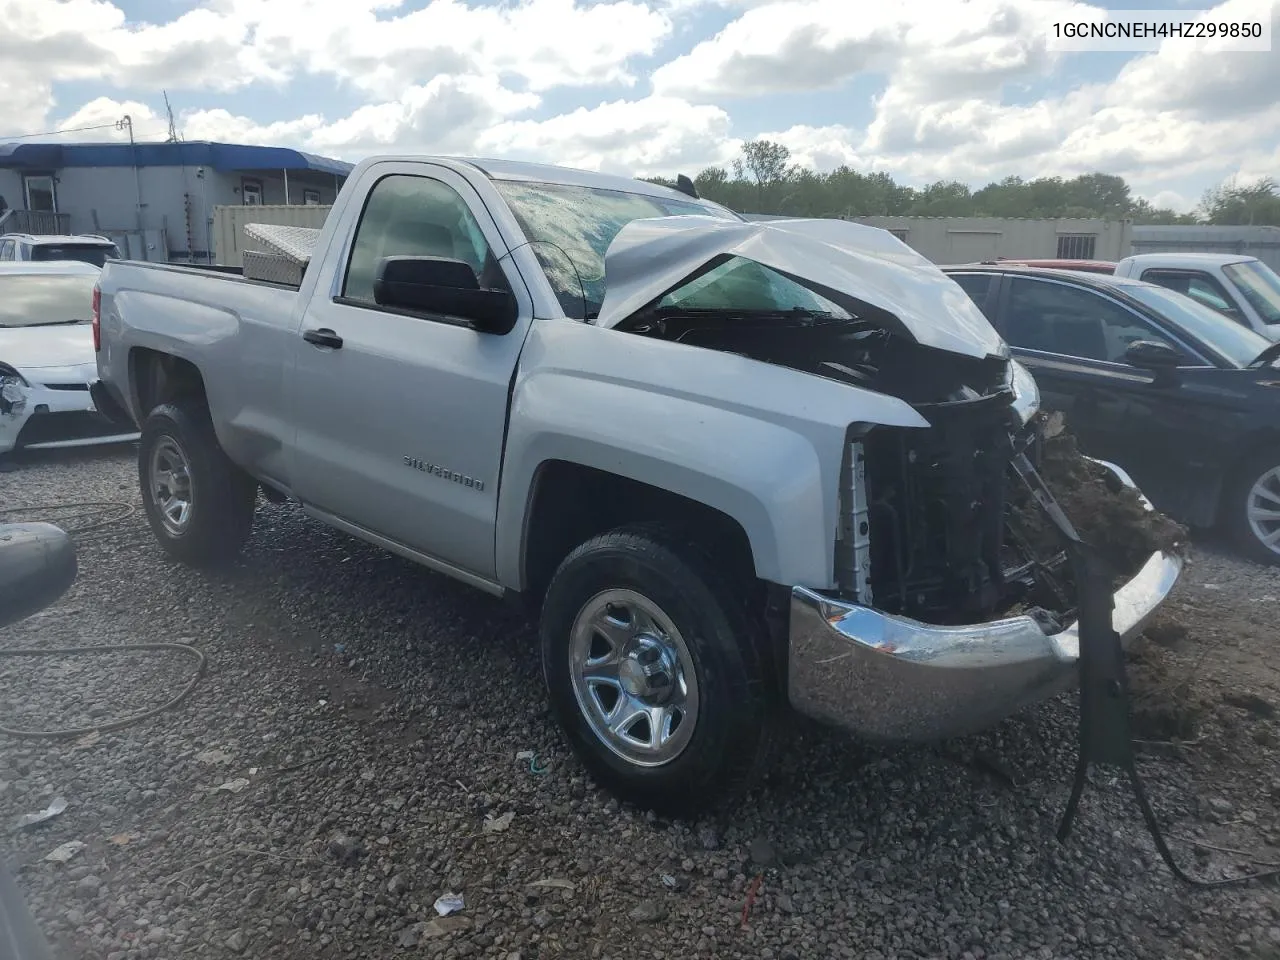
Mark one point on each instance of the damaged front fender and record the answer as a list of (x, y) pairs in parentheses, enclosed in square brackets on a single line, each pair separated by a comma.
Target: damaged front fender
[(15, 406)]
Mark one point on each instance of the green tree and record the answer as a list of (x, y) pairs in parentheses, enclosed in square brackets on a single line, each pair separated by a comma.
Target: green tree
[(767, 164), (1248, 203), (762, 179)]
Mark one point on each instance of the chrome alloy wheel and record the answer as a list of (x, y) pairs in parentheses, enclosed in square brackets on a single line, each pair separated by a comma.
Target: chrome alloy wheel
[(170, 485), (633, 677), (1263, 506)]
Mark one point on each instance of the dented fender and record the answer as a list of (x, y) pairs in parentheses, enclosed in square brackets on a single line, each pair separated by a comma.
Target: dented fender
[(758, 442)]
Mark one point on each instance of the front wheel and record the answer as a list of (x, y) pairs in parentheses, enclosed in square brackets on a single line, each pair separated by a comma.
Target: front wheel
[(199, 504), (656, 671), (1251, 508)]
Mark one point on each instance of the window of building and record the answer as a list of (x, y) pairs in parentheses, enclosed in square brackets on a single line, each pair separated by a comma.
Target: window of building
[(416, 216), (901, 234), (41, 196), (1076, 246), (311, 198), (251, 191)]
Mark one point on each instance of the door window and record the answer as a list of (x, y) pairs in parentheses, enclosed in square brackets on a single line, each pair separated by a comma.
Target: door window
[(413, 216), (6, 250), (977, 286), (1072, 321), (1195, 284)]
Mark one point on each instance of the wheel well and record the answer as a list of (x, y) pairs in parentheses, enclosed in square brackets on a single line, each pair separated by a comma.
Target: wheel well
[(570, 504), (162, 378), (1251, 446)]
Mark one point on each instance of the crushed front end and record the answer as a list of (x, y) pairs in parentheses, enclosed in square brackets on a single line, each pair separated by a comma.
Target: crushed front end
[(956, 602), (953, 603)]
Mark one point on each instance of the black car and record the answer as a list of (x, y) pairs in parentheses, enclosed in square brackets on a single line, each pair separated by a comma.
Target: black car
[(1182, 398)]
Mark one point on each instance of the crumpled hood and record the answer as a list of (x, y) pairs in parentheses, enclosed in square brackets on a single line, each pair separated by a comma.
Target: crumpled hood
[(26, 348), (865, 270)]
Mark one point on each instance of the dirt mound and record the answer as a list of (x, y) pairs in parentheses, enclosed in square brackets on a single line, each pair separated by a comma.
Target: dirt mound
[(1106, 514), (1165, 700)]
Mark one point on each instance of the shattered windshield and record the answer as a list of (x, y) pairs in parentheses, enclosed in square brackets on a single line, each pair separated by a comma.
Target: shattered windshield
[(572, 226), (746, 286)]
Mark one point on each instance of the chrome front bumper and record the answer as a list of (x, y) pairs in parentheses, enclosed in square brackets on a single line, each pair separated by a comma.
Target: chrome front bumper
[(884, 677)]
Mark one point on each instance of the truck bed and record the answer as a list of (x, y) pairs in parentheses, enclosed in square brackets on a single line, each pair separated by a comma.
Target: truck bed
[(241, 333)]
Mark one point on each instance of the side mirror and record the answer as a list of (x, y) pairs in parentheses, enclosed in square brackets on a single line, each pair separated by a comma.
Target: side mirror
[(443, 285), (1152, 355)]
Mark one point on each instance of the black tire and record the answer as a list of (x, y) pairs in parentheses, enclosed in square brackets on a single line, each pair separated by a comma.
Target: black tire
[(222, 497), (737, 697), (1234, 510)]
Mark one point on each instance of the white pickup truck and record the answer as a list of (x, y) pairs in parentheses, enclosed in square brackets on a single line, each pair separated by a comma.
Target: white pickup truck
[(733, 467), (1241, 287)]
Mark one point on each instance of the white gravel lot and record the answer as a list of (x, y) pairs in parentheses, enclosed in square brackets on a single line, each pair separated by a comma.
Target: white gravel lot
[(376, 710)]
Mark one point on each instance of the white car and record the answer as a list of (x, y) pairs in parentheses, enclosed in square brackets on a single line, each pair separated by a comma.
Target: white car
[(47, 360), (89, 248)]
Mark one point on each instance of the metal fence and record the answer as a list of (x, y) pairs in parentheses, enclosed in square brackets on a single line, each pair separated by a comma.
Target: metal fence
[(36, 222)]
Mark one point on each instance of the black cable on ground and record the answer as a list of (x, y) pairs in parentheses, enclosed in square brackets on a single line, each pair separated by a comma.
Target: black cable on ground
[(1105, 737), (95, 510), (106, 648), (87, 508)]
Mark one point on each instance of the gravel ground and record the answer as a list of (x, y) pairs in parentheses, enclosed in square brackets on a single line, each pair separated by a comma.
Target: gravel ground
[(351, 756)]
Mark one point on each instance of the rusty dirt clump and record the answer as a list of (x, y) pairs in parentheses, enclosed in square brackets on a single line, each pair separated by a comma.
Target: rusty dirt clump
[(1107, 515)]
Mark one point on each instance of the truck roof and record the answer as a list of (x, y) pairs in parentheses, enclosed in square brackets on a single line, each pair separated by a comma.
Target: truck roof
[(1208, 259), (550, 173)]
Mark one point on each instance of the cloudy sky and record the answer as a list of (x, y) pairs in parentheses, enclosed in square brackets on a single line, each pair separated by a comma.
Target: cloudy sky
[(926, 89)]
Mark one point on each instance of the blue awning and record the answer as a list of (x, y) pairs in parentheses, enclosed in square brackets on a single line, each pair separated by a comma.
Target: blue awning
[(223, 157)]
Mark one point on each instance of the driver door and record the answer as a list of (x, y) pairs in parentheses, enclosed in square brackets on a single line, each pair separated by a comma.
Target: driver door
[(400, 414)]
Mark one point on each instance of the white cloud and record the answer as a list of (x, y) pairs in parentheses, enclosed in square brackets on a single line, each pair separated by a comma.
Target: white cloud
[(228, 44), (950, 48), (468, 77), (1172, 200), (655, 135), (548, 43), (443, 116), (103, 117), (821, 148)]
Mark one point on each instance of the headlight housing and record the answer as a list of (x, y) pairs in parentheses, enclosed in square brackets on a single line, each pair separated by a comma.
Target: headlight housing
[(13, 390), (1026, 393)]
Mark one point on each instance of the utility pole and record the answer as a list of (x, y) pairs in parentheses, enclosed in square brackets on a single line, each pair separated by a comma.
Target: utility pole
[(126, 123)]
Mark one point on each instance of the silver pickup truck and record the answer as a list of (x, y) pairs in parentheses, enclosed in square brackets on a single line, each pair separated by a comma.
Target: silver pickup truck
[(732, 467)]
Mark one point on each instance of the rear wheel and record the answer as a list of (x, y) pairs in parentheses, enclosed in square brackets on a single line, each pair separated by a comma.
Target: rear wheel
[(1251, 508), (198, 503), (656, 671)]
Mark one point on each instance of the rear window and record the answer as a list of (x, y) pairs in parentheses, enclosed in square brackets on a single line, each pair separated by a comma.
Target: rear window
[(96, 253), (32, 300)]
